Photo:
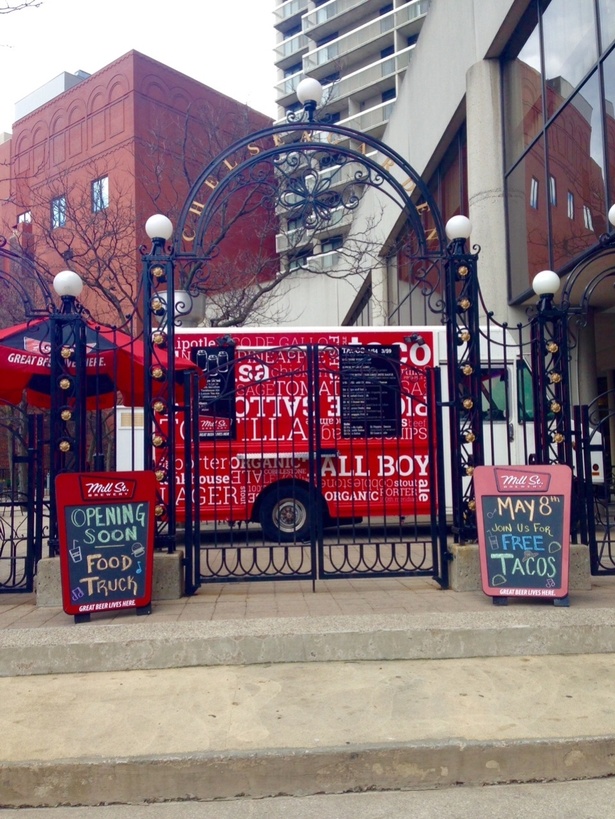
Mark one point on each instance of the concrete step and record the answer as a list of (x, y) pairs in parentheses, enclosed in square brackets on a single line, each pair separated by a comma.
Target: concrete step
[(223, 732), (136, 644)]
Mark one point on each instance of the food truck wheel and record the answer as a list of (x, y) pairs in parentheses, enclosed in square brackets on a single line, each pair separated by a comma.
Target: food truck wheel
[(284, 514)]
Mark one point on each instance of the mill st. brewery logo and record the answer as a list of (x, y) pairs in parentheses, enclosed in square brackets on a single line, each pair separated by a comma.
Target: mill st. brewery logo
[(509, 479)]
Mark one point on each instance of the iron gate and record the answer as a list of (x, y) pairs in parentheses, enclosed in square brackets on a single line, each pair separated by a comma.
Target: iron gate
[(594, 482), (314, 461), (24, 513)]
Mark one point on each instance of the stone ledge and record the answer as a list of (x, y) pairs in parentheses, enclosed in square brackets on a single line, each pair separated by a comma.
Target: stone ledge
[(167, 582), (464, 568)]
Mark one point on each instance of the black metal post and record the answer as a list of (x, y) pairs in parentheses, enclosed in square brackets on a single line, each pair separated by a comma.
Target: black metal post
[(159, 388), (67, 425), (551, 384), (464, 378)]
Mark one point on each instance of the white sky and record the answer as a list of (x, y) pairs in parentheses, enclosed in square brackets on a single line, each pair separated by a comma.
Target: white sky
[(226, 44)]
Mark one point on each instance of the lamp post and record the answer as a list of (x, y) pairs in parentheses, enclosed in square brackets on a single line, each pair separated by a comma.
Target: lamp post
[(68, 373), (309, 93), (67, 353), (550, 374), (464, 374), (159, 408)]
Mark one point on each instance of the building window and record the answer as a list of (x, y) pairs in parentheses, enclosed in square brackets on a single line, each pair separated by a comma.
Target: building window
[(100, 194), (24, 218), (534, 193), (388, 95), (570, 205), (328, 39), (294, 224), (587, 218), (330, 78), (300, 260), (552, 191), (58, 212), (332, 243)]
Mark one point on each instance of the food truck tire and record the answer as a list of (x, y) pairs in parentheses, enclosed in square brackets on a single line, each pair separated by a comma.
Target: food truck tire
[(285, 514)]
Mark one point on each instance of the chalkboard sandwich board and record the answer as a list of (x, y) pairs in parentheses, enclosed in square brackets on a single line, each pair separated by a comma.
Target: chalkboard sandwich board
[(523, 517), (106, 534)]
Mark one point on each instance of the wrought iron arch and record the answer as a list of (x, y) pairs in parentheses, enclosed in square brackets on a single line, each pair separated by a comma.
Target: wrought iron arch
[(285, 157), (605, 257), (286, 161)]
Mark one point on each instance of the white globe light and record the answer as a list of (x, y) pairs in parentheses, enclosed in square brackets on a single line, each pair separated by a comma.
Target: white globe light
[(159, 227), (309, 90), (458, 227), (612, 215), (546, 283), (68, 283)]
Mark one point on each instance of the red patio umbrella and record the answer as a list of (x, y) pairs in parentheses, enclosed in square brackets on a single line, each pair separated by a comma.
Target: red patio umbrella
[(114, 363)]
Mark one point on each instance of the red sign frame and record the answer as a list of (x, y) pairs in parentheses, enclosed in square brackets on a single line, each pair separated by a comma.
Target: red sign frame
[(106, 525), (523, 516)]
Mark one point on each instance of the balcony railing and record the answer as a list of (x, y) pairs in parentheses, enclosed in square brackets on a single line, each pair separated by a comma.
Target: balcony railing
[(371, 75), (295, 240), (323, 262), (364, 36), (320, 263), (287, 87), (335, 9), (372, 118), (288, 10), (291, 47)]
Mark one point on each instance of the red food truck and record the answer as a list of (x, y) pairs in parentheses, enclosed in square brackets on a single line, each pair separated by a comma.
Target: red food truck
[(341, 411), (333, 422)]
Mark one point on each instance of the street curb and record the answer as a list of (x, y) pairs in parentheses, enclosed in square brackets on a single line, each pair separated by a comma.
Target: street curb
[(302, 772)]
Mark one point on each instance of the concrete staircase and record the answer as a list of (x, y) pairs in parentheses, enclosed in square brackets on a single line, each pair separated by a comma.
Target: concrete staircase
[(135, 712)]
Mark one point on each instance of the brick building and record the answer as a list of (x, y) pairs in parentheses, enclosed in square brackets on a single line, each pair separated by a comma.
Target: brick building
[(91, 157)]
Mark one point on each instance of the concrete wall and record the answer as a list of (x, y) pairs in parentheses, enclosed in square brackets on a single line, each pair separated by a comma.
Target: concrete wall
[(313, 300)]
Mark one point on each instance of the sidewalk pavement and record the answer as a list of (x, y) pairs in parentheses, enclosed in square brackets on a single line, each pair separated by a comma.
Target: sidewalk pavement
[(283, 622), (332, 598), (270, 689), (591, 799)]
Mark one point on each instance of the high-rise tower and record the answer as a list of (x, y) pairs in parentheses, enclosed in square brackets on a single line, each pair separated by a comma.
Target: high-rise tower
[(358, 49)]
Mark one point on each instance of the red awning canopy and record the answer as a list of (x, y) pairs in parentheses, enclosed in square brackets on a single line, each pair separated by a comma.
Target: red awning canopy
[(114, 363)]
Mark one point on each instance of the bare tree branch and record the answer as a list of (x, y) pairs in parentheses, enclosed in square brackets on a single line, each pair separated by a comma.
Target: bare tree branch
[(305, 199), (7, 7), (99, 246)]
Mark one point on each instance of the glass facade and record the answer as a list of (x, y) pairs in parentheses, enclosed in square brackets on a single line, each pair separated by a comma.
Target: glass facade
[(570, 47), (558, 96), (523, 95), (609, 115), (607, 22)]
